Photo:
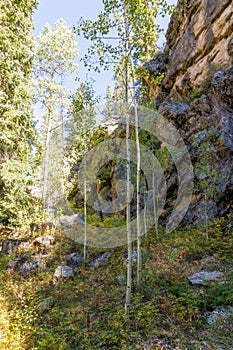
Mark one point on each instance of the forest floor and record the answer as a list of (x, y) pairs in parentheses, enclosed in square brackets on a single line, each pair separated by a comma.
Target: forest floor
[(87, 311)]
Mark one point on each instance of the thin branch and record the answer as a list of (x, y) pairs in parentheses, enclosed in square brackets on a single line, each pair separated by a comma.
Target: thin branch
[(109, 37)]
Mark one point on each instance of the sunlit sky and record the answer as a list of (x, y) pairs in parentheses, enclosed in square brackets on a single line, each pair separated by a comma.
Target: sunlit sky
[(71, 11)]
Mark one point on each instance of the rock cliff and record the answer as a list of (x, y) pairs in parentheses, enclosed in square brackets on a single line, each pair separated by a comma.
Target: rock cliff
[(197, 96), (199, 37), (206, 126)]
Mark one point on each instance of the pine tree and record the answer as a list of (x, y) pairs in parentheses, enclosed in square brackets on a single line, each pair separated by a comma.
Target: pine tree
[(16, 120)]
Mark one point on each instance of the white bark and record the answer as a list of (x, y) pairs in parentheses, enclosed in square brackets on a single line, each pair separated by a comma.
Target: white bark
[(155, 202), (128, 194), (139, 239)]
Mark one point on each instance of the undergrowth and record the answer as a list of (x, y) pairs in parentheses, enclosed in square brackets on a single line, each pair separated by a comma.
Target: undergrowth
[(88, 310)]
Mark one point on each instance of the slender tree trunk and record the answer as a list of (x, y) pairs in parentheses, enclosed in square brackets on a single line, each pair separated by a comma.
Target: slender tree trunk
[(85, 221), (62, 118), (139, 239), (47, 147), (128, 194), (155, 202), (85, 201), (145, 211), (46, 161), (206, 216)]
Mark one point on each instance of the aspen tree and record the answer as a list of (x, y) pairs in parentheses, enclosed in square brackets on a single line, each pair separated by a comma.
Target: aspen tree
[(124, 33)]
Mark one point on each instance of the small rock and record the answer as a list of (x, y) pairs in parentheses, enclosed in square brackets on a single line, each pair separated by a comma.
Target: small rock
[(74, 259), (162, 344), (71, 220), (220, 314), (121, 279), (202, 276), (133, 257), (98, 261), (12, 265), (45, 240), (63, 271), (45, 305), (30, 266), (9, 246)]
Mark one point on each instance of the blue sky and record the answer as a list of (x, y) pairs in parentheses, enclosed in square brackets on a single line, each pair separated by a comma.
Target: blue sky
[(71, 10)]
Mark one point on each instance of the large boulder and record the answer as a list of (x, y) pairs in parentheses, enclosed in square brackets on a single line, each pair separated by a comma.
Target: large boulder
[(71, 220), (222, 85)]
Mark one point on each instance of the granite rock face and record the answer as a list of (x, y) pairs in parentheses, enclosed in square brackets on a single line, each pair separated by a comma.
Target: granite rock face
[(206, 126), (222, 85), (197, 97), (199, 36)]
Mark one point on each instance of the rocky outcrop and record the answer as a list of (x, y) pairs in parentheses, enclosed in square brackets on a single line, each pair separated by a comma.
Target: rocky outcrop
[(197, 97), (199, 37), (206, 126)]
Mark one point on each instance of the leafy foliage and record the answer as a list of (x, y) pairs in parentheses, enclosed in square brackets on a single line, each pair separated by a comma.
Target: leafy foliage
[(55, 59), (109, 27), (16, 124)]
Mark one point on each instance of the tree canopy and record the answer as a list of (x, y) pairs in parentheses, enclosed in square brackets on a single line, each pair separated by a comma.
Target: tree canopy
[(16, 122)]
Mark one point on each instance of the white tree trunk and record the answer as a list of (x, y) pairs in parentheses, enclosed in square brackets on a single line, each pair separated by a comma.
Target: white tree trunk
[(128, 191), (155, 202), (139, 239), (46, 161), (85, 215)]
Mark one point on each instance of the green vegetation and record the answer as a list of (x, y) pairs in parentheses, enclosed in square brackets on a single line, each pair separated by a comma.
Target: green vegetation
[(88, 309), (17, 134)]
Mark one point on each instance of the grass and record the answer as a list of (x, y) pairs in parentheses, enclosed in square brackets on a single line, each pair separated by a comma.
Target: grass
[(88, 312)]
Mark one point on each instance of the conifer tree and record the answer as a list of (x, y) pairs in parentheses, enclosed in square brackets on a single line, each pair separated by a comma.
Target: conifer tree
[(16, 119)]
